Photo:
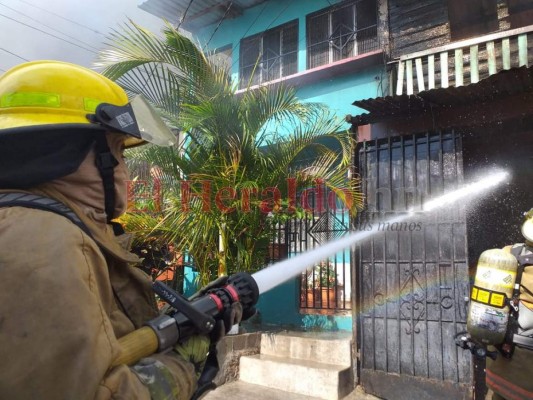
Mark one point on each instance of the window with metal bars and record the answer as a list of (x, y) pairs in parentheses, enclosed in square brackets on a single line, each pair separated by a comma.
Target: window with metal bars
[(269, 55), (342, 31)]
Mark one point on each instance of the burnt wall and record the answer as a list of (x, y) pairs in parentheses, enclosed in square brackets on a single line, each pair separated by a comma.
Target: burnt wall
[(417, 25)]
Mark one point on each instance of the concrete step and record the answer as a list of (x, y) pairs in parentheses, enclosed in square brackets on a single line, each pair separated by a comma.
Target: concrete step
[(239, 390), (301, 376), (331, 348)]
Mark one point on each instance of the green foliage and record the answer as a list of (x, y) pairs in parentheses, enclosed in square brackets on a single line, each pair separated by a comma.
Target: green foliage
[(322, 275), (248, 141), (328, 275)]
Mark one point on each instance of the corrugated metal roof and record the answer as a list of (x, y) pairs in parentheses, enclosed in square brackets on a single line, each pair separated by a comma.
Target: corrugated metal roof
[(200, 13), (502, 84)]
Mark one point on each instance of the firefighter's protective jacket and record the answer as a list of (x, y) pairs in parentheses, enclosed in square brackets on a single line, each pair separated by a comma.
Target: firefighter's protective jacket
[(513, 378), (64, 302)]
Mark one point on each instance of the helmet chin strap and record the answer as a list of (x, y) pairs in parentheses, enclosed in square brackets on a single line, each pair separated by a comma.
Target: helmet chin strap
[(106, 163)]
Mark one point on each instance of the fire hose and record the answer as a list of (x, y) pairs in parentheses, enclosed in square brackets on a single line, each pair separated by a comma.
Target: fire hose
[(198, 316)]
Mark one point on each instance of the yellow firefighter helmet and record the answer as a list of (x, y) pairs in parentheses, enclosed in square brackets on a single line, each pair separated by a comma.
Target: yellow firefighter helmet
[(44, 93)]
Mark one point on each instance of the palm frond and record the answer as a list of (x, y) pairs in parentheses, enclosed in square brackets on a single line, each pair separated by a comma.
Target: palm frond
[(239, 144)]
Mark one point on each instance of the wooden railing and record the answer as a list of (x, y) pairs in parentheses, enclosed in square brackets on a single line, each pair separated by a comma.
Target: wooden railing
[(465, 62)]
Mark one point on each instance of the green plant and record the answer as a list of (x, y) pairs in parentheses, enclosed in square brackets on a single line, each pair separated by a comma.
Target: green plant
[(323, 275), (248, 142), (327, 274)]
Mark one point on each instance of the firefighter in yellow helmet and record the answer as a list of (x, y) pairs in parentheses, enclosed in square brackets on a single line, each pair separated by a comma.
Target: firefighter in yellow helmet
[(510, 375), (69, 288)]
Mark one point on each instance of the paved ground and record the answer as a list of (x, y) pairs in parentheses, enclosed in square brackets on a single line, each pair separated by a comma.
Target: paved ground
[(245, 391), (359, 394)]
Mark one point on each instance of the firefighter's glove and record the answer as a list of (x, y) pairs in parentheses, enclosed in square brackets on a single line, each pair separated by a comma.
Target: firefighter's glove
[(232, 316), (217, 283), (194, 350), (248, 313), (157, 377)]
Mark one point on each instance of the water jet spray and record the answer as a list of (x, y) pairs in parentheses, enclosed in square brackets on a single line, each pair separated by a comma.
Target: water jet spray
[(280, 272)]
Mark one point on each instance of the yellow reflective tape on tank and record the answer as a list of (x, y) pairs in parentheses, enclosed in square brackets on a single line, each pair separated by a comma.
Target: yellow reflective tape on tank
[(483, 296), (489, 297), (497, 299), (30, 100), (91, 104)]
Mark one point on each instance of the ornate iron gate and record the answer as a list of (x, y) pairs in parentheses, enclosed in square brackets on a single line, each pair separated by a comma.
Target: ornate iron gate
[(412, 278)]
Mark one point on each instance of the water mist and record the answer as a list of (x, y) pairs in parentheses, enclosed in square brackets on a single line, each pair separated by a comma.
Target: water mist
[(278, 273)]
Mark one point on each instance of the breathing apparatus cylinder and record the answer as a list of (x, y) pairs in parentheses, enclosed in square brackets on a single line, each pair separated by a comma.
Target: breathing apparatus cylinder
[(488, 314)]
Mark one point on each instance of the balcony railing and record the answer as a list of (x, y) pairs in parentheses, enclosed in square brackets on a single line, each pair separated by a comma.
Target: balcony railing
[(465, 62), (333, 49)]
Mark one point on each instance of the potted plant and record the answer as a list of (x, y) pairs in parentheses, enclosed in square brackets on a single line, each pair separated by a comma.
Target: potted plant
[(310, 289), (319, 286), (327, 275)]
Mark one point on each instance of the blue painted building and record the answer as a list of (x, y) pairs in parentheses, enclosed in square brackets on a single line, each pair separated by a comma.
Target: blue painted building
[(460, 108), (332, 52)]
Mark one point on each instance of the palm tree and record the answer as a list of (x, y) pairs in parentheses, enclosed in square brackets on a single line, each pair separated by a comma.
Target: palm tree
[(237, 143)]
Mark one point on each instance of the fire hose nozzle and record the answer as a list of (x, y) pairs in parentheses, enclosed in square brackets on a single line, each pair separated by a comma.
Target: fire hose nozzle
[(166, 330), (190, 317)]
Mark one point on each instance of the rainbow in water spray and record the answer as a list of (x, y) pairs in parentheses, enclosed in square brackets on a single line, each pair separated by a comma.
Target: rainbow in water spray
[(278, 273)]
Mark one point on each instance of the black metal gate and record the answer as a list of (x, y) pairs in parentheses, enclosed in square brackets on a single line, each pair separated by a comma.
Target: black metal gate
[(412, 277)]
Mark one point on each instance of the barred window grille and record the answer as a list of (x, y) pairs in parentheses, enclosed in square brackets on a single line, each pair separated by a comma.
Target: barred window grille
[(270, 55), (341, 31)]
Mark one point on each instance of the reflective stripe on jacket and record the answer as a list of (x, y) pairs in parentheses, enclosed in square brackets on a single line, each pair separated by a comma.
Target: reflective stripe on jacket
[(506, 388)]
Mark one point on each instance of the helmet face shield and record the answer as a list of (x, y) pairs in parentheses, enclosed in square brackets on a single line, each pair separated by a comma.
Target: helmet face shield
[(138, 119)]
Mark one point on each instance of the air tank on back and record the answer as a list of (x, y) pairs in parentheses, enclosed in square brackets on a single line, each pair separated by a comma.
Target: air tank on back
[(488, 314)]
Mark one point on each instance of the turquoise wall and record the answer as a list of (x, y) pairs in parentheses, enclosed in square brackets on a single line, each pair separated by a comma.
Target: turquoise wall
[(279, 307), (339, 93), (190, 285), (258, 19)]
